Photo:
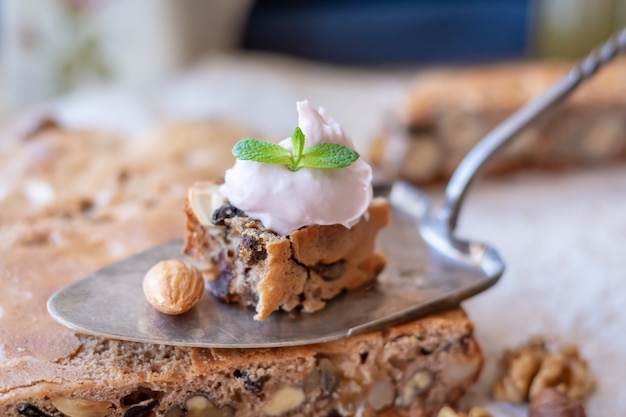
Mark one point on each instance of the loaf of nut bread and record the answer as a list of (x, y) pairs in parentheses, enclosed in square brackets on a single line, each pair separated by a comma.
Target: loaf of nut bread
[(448, 110), (73, 202)]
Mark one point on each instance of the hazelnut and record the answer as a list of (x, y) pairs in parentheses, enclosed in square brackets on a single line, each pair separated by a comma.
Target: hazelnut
[(173, 287), (79, 407), (551, 403)]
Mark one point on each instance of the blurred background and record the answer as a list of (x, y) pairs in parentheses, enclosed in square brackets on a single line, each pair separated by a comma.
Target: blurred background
[(126, 64)]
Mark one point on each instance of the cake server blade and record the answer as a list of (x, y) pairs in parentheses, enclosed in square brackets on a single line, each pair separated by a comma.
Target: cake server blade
[(417, 280), (428, 267)]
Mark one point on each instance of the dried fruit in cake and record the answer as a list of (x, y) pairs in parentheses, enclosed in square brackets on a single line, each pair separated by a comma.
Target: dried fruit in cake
[(293, 225)]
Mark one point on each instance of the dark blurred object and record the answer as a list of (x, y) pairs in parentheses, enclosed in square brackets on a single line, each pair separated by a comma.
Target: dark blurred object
[(392, 31), (551, 403)]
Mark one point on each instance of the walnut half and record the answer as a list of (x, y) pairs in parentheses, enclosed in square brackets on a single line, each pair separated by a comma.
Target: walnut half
[(531, 368)]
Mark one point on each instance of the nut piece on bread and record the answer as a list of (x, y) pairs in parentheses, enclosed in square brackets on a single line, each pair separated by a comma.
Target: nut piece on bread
[(173, 287), (248, 264)]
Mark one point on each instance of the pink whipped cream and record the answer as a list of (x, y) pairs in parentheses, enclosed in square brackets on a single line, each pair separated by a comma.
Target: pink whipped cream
[(286, 201)]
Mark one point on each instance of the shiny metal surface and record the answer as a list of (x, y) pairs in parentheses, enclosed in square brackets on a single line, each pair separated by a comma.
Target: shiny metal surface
[(418, 279)]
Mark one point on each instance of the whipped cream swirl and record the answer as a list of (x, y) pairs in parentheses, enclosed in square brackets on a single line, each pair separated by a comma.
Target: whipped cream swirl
[(285, 201)]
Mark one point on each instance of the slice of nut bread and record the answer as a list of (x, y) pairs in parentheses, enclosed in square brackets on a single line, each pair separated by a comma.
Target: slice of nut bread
[(248, 264), (76, 201), (448, 110)]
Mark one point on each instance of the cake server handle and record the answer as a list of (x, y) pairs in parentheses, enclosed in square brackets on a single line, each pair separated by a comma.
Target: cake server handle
[(490, 145)]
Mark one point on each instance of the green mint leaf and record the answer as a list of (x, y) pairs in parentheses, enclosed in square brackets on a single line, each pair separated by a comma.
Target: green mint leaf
[(297, 144), (261, 151), (323, 155), (327, 155)]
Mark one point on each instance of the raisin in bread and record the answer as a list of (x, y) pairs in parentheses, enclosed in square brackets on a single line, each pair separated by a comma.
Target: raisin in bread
[(73, 202)]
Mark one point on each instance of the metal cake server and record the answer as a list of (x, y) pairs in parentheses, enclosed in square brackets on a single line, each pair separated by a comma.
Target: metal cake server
[(428, 266)]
